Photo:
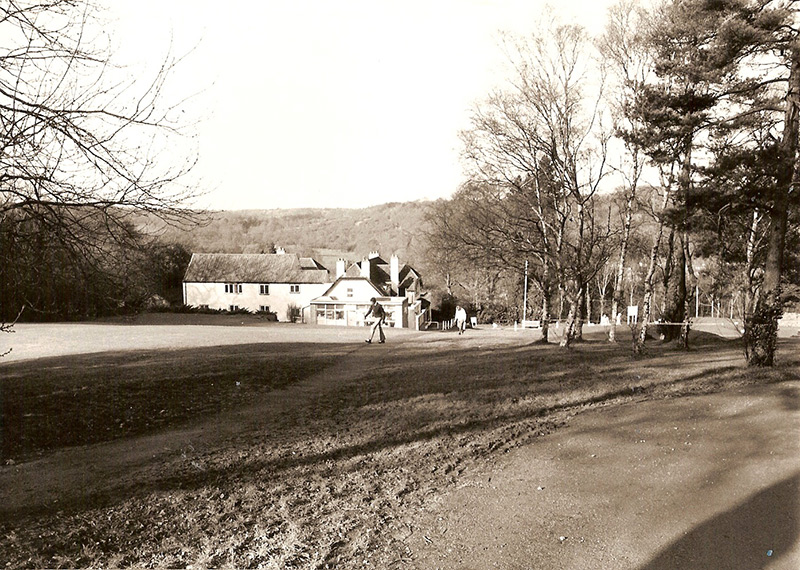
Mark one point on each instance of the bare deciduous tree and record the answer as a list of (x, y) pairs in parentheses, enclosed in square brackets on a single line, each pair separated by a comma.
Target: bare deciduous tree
[(83, 147), (539, 144), (623, 45)]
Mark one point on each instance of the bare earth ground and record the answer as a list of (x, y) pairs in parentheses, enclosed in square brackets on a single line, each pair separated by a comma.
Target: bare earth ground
[(433, 451), (697, 482)]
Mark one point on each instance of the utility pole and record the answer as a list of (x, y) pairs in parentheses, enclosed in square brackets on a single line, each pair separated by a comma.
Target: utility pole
[(696, 301)]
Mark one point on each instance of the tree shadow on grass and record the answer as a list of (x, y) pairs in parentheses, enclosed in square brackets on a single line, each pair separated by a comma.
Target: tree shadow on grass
[(752, 535), (536, 419), (790, 398), (86, 399), (431, 376), (62, 401), (267, 468)]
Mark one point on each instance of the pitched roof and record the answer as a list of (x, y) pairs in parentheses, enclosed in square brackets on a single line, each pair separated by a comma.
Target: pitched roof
[(254, 268), (380, 273), (350, 278), (310, 263), (378, 270), (353, 271)]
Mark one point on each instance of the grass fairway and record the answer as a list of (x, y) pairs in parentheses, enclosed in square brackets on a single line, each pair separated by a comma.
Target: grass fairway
[(294, 455), (82, 399)]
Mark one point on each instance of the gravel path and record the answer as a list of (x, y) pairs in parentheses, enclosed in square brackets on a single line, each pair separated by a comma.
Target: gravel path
[(697, 482)]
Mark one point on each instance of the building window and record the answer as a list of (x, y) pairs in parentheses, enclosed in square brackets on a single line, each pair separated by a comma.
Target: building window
[(263, 289), (349, 291), (294, 288), (233, 288), (264, 308), (233, 308)]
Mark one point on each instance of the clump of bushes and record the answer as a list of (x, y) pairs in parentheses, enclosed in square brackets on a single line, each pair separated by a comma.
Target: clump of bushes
[(181, 309)]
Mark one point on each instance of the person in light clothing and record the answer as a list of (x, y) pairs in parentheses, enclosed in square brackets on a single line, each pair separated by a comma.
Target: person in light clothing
[(461, 319), (379, 314)]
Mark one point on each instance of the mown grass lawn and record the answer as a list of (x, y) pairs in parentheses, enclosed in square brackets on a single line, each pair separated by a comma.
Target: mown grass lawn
[(75, 400), (339, 446)]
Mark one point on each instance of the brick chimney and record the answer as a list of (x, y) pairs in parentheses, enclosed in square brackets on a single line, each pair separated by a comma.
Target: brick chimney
[(394, 273), (340, 267), (365, 268), (374, 254)]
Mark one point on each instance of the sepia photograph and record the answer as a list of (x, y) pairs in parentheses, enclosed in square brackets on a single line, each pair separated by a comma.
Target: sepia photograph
[(425, 285)]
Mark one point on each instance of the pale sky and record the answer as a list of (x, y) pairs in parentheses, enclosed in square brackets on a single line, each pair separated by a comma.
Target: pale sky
[(330, 103)]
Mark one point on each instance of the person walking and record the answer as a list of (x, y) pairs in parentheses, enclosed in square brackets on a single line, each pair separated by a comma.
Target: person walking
[(379, 314), (461, 319)]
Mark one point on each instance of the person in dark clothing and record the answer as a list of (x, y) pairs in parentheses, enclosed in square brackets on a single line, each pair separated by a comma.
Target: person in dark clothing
[(379, 314)]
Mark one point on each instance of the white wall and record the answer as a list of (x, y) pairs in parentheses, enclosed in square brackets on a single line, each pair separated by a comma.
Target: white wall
[(214, 296), (353, 313), (356, 305), (362, 291)]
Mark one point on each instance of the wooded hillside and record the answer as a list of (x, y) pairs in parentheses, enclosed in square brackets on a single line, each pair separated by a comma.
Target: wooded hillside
[(325, 234)]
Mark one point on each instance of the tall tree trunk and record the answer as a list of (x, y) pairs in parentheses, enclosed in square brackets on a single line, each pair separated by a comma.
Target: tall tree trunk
[(761, 329), (667, 273), (675, 312), (749, 292), (689, 269), (623, 252), (582, 283), (588, 304), (569, 325), (676, 286), (602, 291), (612, 323), (545, 320), (580, 314), (547, 309), (647, 303)]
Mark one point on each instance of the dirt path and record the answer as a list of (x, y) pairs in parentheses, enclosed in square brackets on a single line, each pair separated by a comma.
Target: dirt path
[(698, 482)]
